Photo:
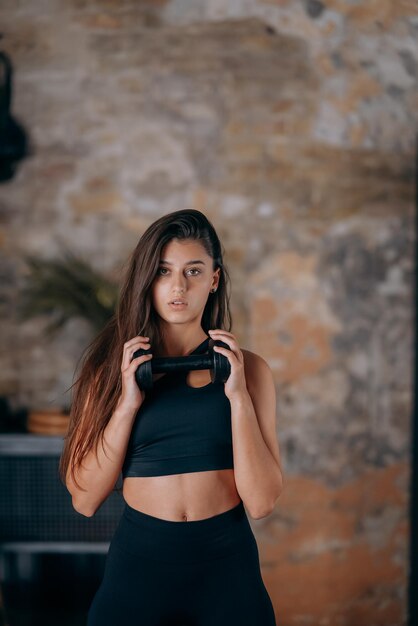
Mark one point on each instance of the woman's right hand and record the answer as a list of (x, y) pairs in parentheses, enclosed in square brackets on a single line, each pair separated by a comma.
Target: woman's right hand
[(132, 396)]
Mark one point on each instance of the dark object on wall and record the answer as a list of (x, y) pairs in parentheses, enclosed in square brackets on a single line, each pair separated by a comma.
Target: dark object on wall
[(13, 141)]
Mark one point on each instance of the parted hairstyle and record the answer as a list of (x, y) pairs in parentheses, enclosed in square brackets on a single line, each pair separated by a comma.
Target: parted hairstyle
[(99, 384)]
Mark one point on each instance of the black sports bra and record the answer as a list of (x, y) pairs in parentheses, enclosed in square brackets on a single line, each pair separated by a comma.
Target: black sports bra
[(180, 429)]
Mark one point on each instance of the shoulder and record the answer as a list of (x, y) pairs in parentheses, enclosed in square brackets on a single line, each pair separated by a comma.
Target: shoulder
[(256, 369)]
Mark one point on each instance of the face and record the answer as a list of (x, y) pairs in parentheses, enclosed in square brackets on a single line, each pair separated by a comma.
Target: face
[(185, 272)]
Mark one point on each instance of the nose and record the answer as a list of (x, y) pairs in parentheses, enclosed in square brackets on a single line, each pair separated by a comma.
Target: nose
[(178, 284)]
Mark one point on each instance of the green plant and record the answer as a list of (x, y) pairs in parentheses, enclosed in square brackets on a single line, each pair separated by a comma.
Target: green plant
[(66, 288)]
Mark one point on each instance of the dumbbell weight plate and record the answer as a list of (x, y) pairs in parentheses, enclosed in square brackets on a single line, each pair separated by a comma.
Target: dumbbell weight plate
[(221, 365), (143, 373)]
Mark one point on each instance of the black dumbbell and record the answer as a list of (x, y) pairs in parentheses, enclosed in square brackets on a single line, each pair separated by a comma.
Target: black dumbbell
[(216, 362)]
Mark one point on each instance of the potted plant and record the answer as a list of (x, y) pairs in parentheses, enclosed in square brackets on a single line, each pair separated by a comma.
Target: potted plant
[(63, 289)]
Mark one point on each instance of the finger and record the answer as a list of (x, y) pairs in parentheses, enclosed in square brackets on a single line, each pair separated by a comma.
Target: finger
[(129, 350), (136, 361), (213, 333), (225, 351), (139, 359), (135, 339), (236, 355), (230, 341)]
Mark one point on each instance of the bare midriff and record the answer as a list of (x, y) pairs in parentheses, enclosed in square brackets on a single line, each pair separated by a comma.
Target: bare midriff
[(183, 497)]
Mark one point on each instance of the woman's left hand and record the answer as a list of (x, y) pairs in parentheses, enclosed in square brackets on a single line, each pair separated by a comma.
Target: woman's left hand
[(236, 382)]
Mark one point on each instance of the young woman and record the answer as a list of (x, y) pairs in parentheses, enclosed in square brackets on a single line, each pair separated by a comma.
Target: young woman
[(192, 452)]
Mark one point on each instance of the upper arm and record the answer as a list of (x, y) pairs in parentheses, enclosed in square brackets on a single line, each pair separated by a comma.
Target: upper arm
[(261, 387), (69, 478)]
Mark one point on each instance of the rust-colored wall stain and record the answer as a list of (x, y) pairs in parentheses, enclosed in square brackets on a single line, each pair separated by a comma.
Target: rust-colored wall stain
[(335, 556)]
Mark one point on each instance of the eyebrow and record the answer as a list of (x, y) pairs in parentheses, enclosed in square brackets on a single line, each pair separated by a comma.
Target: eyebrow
[(195, 261)]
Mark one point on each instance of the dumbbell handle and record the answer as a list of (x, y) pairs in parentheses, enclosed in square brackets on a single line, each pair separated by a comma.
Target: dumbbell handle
[(181, 363)]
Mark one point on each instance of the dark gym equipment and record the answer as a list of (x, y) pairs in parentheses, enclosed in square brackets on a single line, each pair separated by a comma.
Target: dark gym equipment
[(216, 362), (13, 140)]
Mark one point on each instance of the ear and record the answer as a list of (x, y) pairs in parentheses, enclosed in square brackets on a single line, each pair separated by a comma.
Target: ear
[(216, 275)]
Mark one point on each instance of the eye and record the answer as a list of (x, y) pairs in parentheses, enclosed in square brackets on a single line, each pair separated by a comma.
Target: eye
[(192, 269)]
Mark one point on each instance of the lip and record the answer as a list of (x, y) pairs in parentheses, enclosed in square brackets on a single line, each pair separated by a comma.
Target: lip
[(179, 300)]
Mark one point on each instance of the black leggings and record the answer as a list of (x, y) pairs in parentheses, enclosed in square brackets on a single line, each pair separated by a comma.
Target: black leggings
[(172, 573)]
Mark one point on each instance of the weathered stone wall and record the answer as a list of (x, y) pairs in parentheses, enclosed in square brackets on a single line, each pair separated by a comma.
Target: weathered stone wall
[(292, 125)]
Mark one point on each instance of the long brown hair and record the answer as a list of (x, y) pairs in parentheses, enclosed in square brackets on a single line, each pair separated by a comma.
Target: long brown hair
[(98, 387)]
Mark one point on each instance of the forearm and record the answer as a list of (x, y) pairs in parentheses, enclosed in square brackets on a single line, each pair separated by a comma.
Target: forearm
[(257, 476), (100, 470)]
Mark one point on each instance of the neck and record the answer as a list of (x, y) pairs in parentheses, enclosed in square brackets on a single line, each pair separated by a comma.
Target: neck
[(183, 345)]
